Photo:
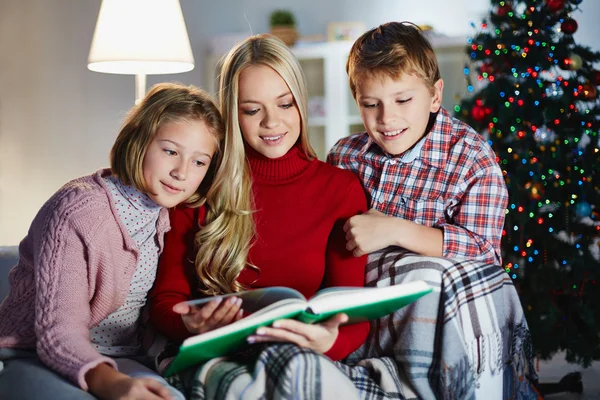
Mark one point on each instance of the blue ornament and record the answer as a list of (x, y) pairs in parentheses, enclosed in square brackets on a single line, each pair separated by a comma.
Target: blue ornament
[(583, 209), (576, 1)]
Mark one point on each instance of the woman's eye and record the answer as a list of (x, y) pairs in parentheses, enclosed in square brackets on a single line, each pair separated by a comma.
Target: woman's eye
[(170, 152), (199, 163), (287, 105), (250, 112)]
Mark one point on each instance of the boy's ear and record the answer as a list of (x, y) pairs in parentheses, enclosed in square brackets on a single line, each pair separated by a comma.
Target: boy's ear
[(436, 99)]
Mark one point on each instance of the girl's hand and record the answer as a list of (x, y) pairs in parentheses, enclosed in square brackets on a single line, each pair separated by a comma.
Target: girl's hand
[(106, 383), (212, 315), (319, 337)]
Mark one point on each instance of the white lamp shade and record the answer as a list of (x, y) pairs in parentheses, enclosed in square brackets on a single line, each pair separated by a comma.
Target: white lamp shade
[(140, 37)]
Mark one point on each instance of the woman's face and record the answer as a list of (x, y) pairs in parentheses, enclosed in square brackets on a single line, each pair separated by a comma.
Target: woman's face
[(268, 115)]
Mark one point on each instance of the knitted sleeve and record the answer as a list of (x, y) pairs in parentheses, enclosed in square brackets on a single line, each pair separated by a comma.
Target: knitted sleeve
[(343, 269), (62, 303), (175, 272)]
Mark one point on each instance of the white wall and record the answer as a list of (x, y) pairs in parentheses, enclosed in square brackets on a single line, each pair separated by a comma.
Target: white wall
[(58, 120)]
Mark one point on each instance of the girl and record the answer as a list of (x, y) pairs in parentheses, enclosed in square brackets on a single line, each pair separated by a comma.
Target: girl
[(73, 320), (300, 203)]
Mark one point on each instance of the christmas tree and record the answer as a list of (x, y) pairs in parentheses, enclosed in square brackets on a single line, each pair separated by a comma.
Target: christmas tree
[(534, 97)]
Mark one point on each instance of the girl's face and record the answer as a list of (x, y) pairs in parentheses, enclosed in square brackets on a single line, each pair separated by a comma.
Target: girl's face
[(268, 114), (177, 160)]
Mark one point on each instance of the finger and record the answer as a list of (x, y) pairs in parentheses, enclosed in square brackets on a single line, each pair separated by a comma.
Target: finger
[(219, 316), (348, 225), (231, 314), (182, 308), (157, 389), (358, 252), (351, 245), (277, 335), (239, 315), (335, 321)]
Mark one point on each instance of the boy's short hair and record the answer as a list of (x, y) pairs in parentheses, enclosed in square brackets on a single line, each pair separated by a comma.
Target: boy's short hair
[(164, 103), (392, 49)]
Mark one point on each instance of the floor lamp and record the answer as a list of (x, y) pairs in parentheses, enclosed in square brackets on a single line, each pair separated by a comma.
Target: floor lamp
[(140, 37)]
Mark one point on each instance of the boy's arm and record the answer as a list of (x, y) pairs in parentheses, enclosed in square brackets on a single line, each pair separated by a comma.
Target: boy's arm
[(374, 231), (474, 222)]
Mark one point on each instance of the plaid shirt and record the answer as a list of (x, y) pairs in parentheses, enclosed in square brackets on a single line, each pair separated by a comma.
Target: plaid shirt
[(450, 180)]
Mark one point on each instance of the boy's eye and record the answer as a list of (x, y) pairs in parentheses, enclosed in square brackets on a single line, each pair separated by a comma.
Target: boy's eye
[(250, 112), (404, 101)]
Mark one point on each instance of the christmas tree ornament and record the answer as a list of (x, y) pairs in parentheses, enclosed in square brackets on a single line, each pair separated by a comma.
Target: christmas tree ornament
[(576, 1), (596, 77), (543, 135), (569, 26), (478, 112), (554, 90), (573, 62), (590, 92), (555, 5), (504, 10), (583, 209)]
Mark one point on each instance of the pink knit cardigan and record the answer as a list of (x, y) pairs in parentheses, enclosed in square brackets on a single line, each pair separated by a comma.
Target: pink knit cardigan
[(75, 267)]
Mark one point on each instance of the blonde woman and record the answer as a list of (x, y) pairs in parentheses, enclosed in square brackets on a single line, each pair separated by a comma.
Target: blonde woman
[(300, 206)]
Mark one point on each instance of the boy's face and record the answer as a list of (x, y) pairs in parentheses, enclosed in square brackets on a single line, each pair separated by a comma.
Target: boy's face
[(396, 111)]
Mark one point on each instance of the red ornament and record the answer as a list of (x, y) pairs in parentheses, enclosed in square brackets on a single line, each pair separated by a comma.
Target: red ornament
[(503, 10), (478, 113), (568, 26), (555, 5), (487, 68), (596, 77)]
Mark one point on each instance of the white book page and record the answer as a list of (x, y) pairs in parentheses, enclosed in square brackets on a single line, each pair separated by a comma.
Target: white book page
[(333, 299), (282, 307)]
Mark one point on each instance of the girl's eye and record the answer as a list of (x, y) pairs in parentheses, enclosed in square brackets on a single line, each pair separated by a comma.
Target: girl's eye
[(170, 152), (404, 101), (199, 163), (365, 105), (287, 105), (250, 112)]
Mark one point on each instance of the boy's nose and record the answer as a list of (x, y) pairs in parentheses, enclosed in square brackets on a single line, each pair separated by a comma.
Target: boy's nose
[(386, 115)]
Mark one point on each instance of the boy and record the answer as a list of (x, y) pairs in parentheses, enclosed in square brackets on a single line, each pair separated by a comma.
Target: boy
[(433, 183)]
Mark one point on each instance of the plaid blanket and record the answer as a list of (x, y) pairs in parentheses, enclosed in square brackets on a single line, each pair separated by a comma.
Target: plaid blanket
[(435, 348)]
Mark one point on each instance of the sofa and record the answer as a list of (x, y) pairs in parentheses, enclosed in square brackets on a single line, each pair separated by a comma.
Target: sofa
[(9, 256)]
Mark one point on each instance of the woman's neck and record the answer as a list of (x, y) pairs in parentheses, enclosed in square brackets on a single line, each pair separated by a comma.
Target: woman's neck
[(281, 169)]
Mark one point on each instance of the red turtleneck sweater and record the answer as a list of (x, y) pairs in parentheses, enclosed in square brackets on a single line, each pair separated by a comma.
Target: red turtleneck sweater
[(301, 207)]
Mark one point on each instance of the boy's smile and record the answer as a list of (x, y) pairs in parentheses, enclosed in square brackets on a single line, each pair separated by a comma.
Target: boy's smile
[(396, 111)]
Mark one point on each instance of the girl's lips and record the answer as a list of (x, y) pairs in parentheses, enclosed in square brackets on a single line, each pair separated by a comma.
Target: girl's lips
[(170, 189)]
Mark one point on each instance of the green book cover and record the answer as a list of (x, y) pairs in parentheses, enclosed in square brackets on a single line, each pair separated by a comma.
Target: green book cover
[(270, 304)]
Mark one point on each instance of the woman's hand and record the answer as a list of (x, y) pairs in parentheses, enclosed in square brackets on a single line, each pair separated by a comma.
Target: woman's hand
[(319, 337), (106, 383), (212, 315)]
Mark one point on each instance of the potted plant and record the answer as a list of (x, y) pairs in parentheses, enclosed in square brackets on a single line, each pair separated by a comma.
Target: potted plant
[(283, 25)]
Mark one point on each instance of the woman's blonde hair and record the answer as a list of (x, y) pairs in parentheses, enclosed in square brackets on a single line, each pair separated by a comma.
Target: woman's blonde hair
[(264, 49), (164, 103)]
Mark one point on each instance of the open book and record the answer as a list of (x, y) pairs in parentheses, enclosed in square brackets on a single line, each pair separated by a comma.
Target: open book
[(270, 304)]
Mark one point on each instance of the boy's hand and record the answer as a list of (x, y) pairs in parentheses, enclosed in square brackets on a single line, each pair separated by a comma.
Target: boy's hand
[(319, 337), (211, 315), (369, 232)]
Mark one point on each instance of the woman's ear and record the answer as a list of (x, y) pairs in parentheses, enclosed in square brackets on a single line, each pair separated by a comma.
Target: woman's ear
[(436, 98)]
